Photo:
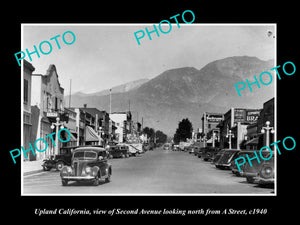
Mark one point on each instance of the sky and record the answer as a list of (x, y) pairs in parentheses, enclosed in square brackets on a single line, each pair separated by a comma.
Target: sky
[(106, 55)]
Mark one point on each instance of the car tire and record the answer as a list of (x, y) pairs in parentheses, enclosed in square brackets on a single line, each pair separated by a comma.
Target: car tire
[(46, 168), (122, 155), (64, 182), (59, 165)]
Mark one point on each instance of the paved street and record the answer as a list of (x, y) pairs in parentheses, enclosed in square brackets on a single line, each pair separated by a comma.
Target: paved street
[(155, 172)]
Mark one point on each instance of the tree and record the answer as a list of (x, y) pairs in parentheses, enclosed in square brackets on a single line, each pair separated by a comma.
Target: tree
[(161, 137), (183, 131)]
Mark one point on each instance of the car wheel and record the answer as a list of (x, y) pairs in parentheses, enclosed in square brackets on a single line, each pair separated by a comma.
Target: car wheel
[(46, 168), (64, 182), (122, 155), (96, 181), (59, 165)]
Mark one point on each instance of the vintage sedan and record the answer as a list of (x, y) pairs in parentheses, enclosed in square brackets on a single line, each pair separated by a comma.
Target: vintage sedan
[(208, 152), (250, 172), (118, 151), (242, 153), (60, 160), (266, 172), (218, 156), (88, 164), (226, 158)]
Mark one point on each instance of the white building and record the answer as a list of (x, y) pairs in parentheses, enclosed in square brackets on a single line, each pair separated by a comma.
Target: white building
[(123, 123)]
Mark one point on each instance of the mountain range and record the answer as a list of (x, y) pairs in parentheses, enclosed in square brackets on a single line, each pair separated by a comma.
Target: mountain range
[(185, 93)]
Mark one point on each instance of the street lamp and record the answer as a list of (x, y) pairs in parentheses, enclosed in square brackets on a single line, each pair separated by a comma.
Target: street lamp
[(230, 135), (58, 123), (267, 130), (213, 139)]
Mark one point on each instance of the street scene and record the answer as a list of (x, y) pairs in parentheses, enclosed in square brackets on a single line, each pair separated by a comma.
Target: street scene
[(151, 119), (154, 172)]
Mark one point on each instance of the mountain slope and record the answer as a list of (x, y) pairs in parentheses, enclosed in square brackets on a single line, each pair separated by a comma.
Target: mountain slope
[(188, 92)]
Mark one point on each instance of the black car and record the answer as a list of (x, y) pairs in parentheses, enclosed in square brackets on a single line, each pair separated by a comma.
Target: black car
[(88, 164), (209, 152), (226, 158), (118, 151), (60, 160)]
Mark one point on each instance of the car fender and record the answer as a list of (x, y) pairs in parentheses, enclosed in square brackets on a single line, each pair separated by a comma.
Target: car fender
[(96, 170)]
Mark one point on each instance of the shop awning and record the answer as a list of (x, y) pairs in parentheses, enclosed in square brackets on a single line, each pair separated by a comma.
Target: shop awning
[(90, 134), (253, 141), (73, 137)]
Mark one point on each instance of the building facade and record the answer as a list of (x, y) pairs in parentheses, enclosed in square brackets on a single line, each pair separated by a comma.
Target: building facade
[(27, 116), (236, 120), (123, 123), (210, 129), (48, 96)]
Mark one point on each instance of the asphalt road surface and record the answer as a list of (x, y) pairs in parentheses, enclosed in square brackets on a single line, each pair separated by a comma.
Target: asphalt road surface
[(158, 172)]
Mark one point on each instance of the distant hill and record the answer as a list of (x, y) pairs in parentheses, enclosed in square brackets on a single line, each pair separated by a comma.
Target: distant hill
[(187, 92)]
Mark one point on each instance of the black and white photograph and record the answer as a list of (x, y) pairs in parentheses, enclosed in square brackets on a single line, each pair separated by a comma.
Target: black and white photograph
[(149, 112), (164, 109)]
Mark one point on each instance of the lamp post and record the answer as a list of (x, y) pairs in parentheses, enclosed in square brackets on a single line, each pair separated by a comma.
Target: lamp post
[(100, 133), (213, 139), (229, 135), (267, 130), (58, 123)]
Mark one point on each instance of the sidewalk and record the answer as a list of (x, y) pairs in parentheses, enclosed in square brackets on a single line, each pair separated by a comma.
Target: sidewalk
[(31, 167)]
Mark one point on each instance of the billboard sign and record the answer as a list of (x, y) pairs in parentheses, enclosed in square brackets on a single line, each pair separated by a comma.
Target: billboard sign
[(252, 115), (214, 118)]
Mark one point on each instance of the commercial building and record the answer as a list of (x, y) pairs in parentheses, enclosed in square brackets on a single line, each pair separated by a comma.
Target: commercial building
[(266, 114), (27, 116), (236, 121), (211, 133), (123, 123), (48, 95)]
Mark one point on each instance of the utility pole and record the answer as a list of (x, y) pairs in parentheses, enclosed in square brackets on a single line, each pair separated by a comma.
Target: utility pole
[(70, 94)]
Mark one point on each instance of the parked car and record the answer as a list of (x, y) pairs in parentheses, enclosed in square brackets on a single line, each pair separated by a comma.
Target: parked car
[(191, 149), (196, 150), (226, 158), (250, 172), (118, 151), (218, 156), (208, 152), (176, 148), (60, 160), (88, 164), (266, 172), (167, 146), (233, 165)]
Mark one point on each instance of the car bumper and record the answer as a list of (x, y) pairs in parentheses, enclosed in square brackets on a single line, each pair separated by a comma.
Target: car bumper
[(248, 174), (261, 180), (223, 165), (77, 178)]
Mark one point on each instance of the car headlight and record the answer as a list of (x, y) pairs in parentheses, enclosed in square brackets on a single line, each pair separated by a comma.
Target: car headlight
[(88, 169), (69, 169), (266, 172)]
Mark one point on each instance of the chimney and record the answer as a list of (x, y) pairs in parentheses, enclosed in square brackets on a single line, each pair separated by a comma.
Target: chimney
[(84, 105)]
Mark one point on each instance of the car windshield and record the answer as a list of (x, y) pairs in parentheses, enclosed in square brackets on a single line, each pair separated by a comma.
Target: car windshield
[(85, 155)]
